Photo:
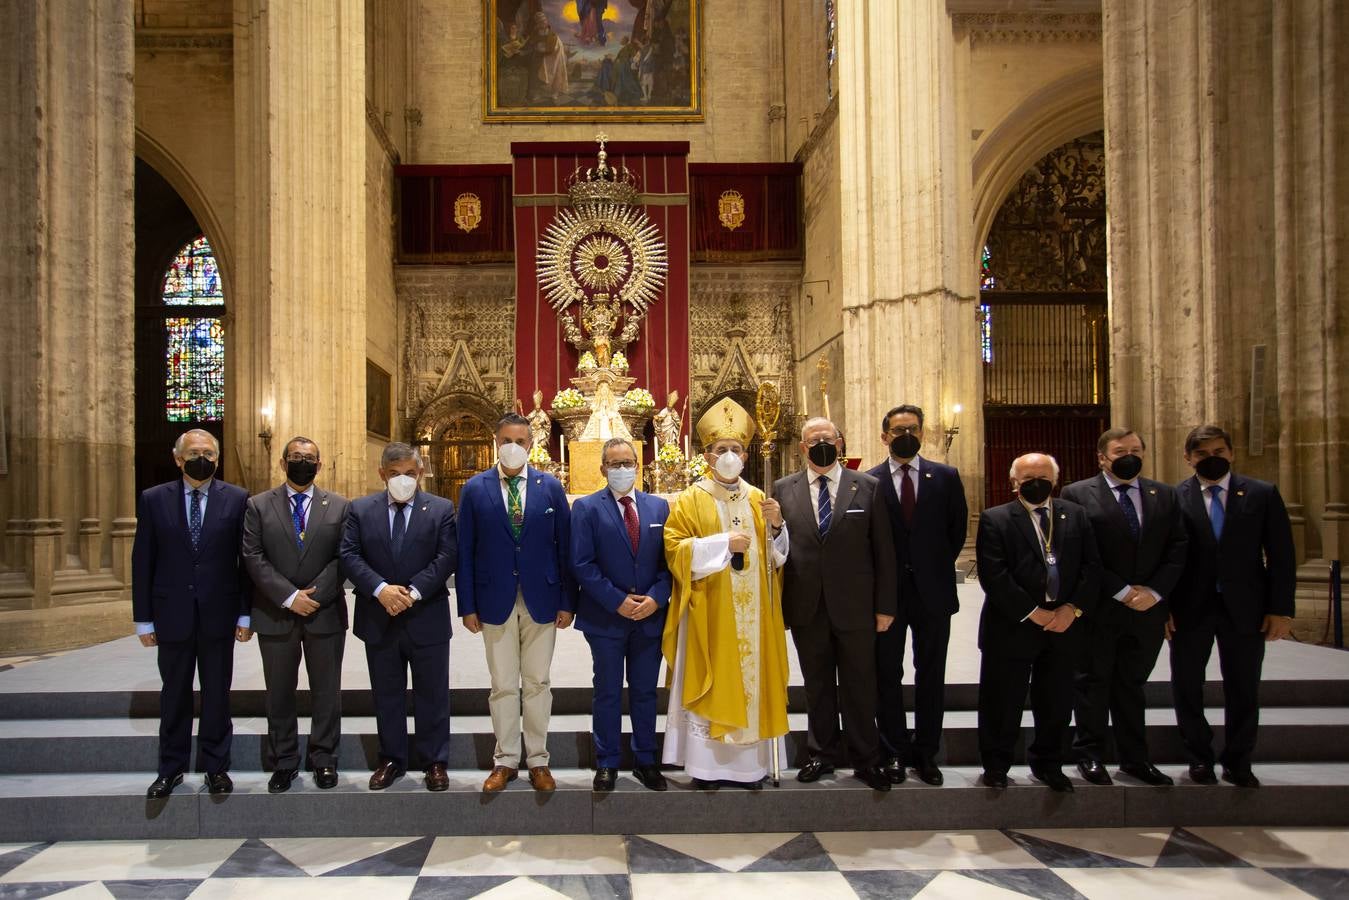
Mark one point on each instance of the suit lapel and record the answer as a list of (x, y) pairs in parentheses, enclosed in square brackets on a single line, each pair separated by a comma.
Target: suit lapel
[(281, 506), (1236, 501), (535, 501), (497, 486), (1021, 518), (215, 503), (616, 516), (1105, 495), (1193, 496), (802, 487)]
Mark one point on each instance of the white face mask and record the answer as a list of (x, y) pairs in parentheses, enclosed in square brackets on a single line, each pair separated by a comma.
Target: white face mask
[(729, 465), (402, 487), (512, 456), (621, 480)]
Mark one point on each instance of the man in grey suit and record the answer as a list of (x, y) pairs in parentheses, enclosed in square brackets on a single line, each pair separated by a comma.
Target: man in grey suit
[(839, 591), (291, 537)]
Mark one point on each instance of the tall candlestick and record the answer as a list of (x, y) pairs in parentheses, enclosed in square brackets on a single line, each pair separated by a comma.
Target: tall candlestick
[(826, 408), (804, 403)]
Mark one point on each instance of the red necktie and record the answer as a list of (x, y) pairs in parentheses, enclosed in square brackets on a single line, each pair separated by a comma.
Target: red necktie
[(908, 500), (630, 520)]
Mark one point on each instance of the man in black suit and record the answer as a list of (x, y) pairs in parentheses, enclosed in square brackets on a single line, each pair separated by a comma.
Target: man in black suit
[(838, 593), (291, 537), (1039, 570), (399, 550), (928, 522), (1237, 589), (190, 598), (1141, 539)]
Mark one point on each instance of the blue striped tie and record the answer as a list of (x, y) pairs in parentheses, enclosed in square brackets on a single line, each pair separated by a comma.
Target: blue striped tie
[(826, 509)]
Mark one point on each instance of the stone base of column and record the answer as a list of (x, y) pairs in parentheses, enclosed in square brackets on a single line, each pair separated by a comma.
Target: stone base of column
[(87, 619)]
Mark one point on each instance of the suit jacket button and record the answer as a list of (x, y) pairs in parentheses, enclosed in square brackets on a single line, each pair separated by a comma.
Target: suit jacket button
[(191, 587), (516, 574)]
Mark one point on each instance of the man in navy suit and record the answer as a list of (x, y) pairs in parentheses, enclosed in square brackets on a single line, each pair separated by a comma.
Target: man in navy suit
[(398, 550), (1141, 538), (1237, 589), (618, 557), (190, 598), (928, 522), (515, 586), (1039, 570)]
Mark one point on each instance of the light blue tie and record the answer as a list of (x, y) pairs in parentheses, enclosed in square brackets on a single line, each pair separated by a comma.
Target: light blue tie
[(825, 507), (1216, 513)]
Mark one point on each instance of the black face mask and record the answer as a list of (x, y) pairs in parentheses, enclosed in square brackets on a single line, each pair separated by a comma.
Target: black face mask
[(1213, 468), (301, 471), (199, 468), (1035, 491), (1127, 467), (823, 454), (906, 446)]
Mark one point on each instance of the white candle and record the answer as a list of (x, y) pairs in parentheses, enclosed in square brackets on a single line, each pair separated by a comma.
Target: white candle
[(562, 449), (686, 446), (804, 403), (826, 408)]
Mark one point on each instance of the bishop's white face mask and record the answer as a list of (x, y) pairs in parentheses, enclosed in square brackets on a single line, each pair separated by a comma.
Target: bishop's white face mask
[(402, 487), (512, 456), (729, 465)]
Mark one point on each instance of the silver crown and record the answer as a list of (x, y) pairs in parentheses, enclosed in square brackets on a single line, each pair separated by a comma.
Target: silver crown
[(602, 183)]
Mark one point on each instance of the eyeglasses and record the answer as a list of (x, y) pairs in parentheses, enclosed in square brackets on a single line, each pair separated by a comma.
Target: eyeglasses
[(905, 429), (622, 464), (819, 441), (209, 454), (295, 457)]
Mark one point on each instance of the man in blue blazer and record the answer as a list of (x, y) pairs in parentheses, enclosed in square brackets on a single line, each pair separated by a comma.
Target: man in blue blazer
[(515, 587), (398, 550), (618, 557), (190, 598), (928, 522), (1237, 589)]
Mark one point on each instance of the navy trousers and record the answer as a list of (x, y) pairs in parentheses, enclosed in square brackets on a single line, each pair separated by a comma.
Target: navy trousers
[(212, 660), (389, 660), (640, 655)]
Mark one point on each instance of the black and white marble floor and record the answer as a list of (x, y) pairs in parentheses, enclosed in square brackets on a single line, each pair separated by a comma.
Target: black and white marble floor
[(1227, 863)]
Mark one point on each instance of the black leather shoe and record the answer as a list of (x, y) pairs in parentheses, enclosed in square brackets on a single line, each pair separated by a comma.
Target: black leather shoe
[(280, 781), (1148, 774), (874, 778), (928, 773), (1244, 778), (1201, 773), (894, 770), (325, 777), (1054, 779), (162, 786), (651, 778), (437, 779), (219, 783), (752, 785), (605, 779), (1094, 772), (994, 779), (812, 771), (387, 773), (703, 784)]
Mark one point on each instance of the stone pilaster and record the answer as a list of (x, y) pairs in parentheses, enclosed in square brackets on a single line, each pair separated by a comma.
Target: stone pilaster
[(66, 276), (910, 332), (298, 332)]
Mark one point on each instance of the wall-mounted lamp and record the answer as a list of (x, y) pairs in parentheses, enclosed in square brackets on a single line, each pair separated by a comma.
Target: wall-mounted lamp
[(954, 428), (265, 413)]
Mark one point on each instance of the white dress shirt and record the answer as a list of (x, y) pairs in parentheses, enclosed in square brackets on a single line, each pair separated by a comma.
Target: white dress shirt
[(813, 479), (1225, 483)]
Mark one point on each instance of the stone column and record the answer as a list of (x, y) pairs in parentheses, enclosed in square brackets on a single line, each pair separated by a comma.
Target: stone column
[(910, 332), (297, 339), (66, 379)]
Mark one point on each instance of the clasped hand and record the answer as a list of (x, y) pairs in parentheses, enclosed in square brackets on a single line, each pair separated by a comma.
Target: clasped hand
[(1057, 620), (637, 607), (394, 598)]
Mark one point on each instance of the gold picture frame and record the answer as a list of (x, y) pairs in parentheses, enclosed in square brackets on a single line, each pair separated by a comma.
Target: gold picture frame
[(378, 401), (592, 61)]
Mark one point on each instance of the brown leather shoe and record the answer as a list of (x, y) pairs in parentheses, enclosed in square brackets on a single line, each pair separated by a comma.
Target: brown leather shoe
[(542, 779), (436, 778), (497, 781), (387, 773)]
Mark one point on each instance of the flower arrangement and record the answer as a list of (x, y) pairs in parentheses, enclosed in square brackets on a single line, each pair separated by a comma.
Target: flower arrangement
[(670, 456), (618, 362), (697, 467), (539, 456), (569, 398), (587, 362), (639, 398)]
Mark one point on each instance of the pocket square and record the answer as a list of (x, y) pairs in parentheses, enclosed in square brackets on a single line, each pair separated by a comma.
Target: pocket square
[(656, 525), (854, 512)]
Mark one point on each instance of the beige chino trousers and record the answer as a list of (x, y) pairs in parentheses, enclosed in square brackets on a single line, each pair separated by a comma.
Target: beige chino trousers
[(520, 660)]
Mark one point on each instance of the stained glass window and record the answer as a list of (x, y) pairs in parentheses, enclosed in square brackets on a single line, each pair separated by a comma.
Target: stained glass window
[(194, 354), (986, 332), (831, 42), (986, 280), (192, 278)]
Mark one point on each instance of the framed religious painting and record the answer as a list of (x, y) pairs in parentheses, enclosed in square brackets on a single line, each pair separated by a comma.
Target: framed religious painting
[(592, 60), (378, 401)]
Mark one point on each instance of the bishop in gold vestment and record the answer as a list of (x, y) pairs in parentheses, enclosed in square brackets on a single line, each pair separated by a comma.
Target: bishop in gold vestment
[(724, 643)]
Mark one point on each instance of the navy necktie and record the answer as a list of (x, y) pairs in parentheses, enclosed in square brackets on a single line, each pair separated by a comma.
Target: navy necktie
[(297, 516), (1216, 513), (825, 507), (194, 519), (1051, 569), (1130, 514), (400, 527)]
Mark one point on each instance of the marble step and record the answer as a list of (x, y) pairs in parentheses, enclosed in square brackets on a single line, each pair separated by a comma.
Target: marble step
[(113, 806), (1296, 734)]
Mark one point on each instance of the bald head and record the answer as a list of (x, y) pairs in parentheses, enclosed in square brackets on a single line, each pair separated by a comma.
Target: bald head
[(818, 426), (1034, 465)]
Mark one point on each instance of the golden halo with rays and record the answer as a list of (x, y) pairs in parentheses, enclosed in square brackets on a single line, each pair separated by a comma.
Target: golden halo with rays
[(628, 228), (600, 263)]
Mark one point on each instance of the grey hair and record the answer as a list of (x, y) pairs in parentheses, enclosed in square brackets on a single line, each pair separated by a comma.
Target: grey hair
[(178, 444), (819, 420), (397, 452), (1054, 464), (615, 442)]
